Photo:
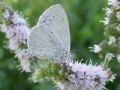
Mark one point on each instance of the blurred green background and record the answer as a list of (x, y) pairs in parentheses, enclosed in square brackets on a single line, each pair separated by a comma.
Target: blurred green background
[(85, 28)]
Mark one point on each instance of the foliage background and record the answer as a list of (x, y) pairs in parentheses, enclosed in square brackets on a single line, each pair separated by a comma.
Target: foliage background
[(85, 28)]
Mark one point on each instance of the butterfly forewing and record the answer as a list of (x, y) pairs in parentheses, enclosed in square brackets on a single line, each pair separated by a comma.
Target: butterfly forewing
[(50, 37)]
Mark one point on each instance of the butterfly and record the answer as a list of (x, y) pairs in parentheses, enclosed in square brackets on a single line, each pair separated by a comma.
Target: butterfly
[(50, 38)]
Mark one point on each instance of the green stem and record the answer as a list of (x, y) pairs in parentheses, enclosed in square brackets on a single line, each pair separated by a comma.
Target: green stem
[(106, 63)]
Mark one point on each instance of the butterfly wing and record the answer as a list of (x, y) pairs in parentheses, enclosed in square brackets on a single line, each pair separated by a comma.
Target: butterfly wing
[(50, 38)]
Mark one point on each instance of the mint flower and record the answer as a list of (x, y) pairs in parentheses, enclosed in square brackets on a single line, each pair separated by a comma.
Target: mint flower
[(75, 76), (16, 31), (113, 3), (96, 48), (110, 47)]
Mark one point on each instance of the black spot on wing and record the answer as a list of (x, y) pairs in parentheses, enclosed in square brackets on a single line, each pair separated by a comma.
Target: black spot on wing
[(51, 32), (45, 54), (62, 19), (49, 36), (44, 20), (50, 20), (53, 16)]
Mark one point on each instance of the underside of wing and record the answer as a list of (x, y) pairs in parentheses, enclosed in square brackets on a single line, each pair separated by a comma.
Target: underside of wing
[(51, 36)]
